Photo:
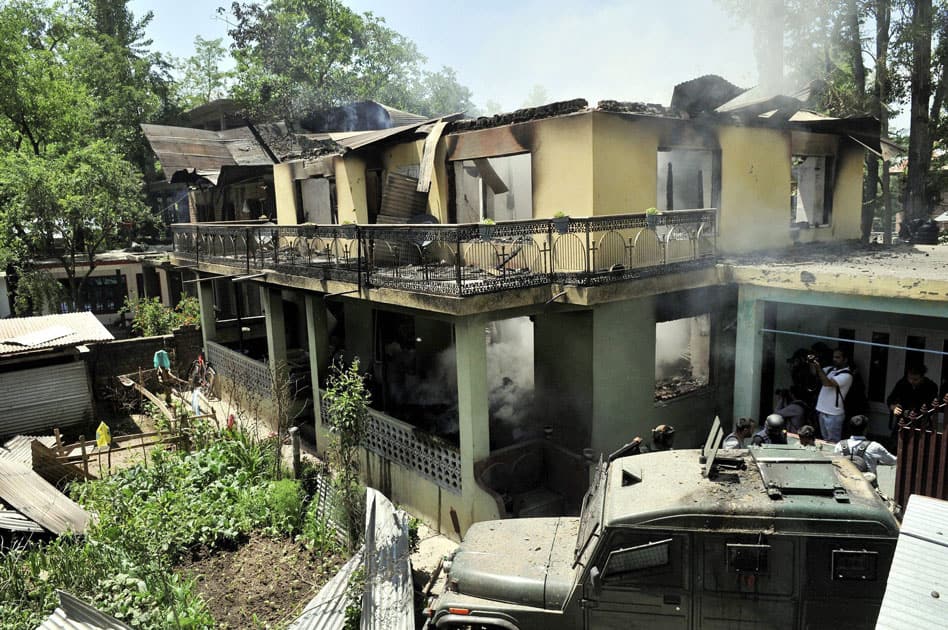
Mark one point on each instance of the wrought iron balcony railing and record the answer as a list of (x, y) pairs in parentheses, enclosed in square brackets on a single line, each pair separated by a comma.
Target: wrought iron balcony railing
[(462, 259)]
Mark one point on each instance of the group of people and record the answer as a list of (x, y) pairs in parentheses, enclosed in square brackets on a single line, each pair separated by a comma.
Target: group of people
[(865, 453), (826, 390)]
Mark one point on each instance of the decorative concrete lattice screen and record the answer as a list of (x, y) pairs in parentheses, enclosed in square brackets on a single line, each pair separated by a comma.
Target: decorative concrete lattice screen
[(412, 448), (244, 371)]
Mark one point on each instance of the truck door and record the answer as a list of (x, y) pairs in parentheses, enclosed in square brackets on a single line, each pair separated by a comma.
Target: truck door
[(746, 581), (643, 581)]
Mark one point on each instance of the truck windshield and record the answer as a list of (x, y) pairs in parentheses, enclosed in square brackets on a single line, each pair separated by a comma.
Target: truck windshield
[(592, 512)]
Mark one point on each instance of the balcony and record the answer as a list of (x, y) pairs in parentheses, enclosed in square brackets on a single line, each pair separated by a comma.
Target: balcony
[(461, 259)]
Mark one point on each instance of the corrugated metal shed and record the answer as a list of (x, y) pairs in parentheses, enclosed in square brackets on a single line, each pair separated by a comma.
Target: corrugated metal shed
[(916, 595), (18, 449), (186, 149), (74, 614), (84, 327), (327, 611), (34, 497), (41, 398)]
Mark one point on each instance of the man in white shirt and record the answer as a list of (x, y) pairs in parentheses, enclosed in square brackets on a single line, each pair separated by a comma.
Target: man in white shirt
[(872, 453), (837, 379)]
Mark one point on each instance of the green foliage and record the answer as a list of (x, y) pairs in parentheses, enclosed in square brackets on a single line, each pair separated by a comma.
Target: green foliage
[(317, 533), (73, 90), (414, 540), (203, 79), (284, 502), (296, 56), (37, 293), (151, 318), (354, 591), (347, 409)]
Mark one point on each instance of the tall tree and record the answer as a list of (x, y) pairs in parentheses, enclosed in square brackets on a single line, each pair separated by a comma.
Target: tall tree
[(294, 56), (204, 79), (441, 93), (920, 80), (66, 187)]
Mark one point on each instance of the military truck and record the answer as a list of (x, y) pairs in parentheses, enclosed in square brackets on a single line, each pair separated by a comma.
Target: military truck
[(768, 537)]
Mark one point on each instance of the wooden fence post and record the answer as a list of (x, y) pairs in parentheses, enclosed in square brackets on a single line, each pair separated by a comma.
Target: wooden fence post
[(295, 440), (85, 461)]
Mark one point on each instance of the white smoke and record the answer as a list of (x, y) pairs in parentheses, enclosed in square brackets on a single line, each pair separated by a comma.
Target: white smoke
[(510, 379)]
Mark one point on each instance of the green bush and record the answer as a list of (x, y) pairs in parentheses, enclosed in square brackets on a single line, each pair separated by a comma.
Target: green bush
[(318, 534), (284, 506), (151, 318)]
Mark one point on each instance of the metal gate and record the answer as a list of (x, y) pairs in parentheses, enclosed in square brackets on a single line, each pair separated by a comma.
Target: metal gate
[(921, 467)]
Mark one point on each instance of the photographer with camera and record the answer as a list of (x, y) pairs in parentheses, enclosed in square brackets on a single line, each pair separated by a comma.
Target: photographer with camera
[(836, 380)]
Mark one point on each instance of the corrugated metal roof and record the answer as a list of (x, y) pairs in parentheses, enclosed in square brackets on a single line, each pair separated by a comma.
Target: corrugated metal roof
[(388, 601), (37, 499), (75, 614), (15, 522), (400, 117), (327, 611), (84, 326), (916, 595), (18, 449), (186, 149)]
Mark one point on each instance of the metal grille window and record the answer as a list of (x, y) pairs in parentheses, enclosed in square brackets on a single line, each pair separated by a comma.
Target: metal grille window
[(650, 555), (101, 294)]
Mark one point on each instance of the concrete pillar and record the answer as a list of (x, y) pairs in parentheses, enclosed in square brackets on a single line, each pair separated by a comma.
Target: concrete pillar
[(563, 374), (205, 291), (750, 319), (272, 299), (473, 413), (318, 347), (623, 386)]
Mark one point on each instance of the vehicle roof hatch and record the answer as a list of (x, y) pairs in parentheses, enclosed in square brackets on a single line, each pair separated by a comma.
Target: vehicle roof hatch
[(796, 471)]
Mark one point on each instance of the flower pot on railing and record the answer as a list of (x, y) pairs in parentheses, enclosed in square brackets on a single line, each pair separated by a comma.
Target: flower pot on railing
[(347, 230), (561, 224), (651, 218)]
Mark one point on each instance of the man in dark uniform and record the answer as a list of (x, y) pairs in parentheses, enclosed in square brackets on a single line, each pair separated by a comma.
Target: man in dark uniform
[(911, 393), (773, 431)]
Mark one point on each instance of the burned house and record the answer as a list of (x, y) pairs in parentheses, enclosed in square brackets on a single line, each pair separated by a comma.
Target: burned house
[(517, 309)]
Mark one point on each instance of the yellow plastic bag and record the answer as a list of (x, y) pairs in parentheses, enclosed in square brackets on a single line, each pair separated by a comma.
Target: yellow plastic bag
[(103, 437)]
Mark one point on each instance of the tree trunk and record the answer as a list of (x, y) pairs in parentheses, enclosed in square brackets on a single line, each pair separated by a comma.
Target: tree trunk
[(920, 145), (859, 78), (879, 110)]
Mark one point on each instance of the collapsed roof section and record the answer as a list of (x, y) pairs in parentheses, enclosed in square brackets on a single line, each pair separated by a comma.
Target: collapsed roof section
[(203, 156)]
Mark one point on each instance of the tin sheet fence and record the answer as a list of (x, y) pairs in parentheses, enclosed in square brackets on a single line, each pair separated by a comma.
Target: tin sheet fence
[(922, 467), (462, 259)]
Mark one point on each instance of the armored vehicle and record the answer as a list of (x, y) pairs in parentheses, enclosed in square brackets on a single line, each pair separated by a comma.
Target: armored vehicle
[(769, 537)]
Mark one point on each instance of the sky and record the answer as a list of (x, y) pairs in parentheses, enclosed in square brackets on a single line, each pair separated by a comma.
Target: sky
[(599, 49)]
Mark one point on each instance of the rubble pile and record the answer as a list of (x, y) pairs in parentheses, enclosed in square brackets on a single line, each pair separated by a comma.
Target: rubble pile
[(668, 388)]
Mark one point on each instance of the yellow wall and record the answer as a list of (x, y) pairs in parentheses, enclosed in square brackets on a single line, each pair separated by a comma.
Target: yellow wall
[(405, 154), (846, 222), (350, 189), (562, 166), (755, 189), (284, 190), (625, 163)]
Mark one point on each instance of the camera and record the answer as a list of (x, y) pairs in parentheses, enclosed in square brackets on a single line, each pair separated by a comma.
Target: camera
[(811, 358)]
